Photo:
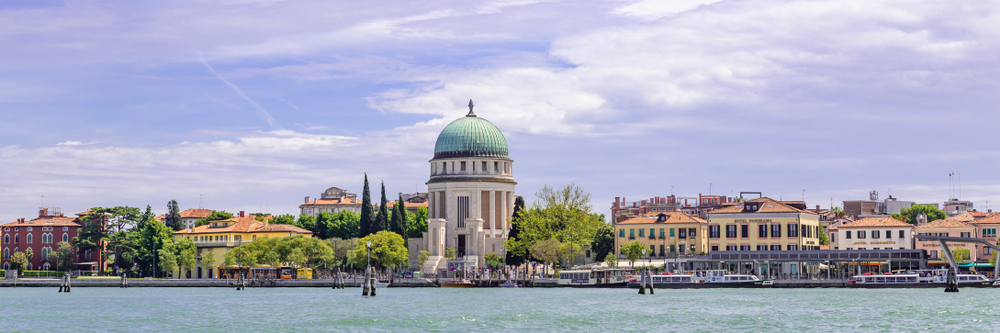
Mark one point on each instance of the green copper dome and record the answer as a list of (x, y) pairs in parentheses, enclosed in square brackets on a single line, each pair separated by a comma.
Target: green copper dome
[(470, 136)]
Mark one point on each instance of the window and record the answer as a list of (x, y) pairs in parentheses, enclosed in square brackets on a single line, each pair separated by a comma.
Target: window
[(6, 253), (730, 247), (775, 231), (745, 232), (876, 234), (17, 239), (744, 247), (652, 250), (775, 247), (731, 231), (661, 250), (681, 233), (847, 235), (673, 248), (793, 230), (6, 239), (793, 247), (483, 169), (861, 234), (65, 228), (28, 238), (888, 234), (714, 247), (652, 233), (631, 233), (88, 255), (762, 247), (65, 237), (761, 231), (621, 233), (30, 229), (641, 233), (691, 232), (661, 233), (987, 250), (672, 232), (934, 254), (965, 234), (692, 248), (462, 166), (496, 167), (713, 232)]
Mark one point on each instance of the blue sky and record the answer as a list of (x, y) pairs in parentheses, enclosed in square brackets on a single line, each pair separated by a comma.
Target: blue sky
[(253, 104)]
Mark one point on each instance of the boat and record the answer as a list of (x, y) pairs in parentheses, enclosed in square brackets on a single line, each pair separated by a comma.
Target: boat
[(918, 279), (462, 283), (595, 277), (509, 284), (704, 279)]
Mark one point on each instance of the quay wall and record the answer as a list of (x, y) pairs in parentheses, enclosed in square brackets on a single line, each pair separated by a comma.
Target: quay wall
[(204, 283)]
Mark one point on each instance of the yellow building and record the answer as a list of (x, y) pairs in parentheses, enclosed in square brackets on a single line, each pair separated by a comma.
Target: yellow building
[(224, 235), (764, 224), (663, 233)]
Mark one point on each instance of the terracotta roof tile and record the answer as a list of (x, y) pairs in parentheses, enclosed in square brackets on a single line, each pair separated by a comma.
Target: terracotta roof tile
[(767, 205), (45, 221), (346, 201), (197, 213), (946, 223), (869, 222), (993, 218), (670, 218), (245, 224)]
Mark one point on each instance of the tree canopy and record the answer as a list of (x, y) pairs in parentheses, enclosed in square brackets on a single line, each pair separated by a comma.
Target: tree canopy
[(563, 215), (367, 215), (295, 250), (909, 215), (633, 251), (173, 217), (216, 215), (387, 250)]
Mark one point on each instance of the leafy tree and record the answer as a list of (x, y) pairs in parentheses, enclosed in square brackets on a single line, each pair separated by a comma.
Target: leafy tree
[(604, 240), (173, 217), (382, 219), (547, 251), (307, 222), (823, 238), (909, 215), (283, 219), (612, 260), (837, 211), (387, 250), (324, 222), (153, 237), (367, 215), (416, 224), (422, 257), (64, 257), (398, 222), (342, 250), (216, 215), (92, 235), (167, 259), (346, 225), (493, 261), (272, 258), (186, 252), (449, 253), (961, 254), (208, 259), (563, 215), (21, 261), (516, 250), (633, 251), (566, 252)]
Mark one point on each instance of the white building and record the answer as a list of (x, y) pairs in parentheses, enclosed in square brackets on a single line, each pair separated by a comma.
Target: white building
[(872, 233), (333, 200), (470, 193)]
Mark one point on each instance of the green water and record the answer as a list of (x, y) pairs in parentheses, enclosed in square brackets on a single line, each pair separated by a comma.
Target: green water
[(427, 309)]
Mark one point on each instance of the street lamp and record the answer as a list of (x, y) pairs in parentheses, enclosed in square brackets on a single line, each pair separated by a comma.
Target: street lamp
[(644, 254)]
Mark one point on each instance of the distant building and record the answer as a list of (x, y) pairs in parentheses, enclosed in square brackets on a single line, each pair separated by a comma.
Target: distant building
[(763, 224), (987, 230), (948, 227), (874, 207), (872, 233), (954, 207), (622, 210), (190, 216), (664, 233), (333, 200), (42, 236)]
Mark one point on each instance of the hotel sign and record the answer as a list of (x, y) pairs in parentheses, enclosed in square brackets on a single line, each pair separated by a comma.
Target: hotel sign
[(752, 221), (875, 243)]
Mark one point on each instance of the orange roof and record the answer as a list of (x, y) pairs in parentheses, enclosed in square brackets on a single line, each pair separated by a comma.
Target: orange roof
[(337, 201), (964, 217), (824, 247), (247, 224), (45, 221), (197, 213), (869, 222), (946, 223), (767, 205), (993, 218), (669, 217)]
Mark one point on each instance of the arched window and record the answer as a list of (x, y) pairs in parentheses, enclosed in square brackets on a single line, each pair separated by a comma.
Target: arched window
[(65, 237), (6, 265), (47, 266), (28, 238), (6, 253), (6, 238), (17, 239), (45, 252), (65, 228)]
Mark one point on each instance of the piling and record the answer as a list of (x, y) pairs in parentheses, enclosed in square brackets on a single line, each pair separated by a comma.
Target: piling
[(365, 286), (951, 286)]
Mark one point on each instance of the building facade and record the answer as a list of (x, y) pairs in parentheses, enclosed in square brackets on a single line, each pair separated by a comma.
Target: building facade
[(763, 224), (333, 200), (42, 235), (470, 193), (950, 228), (701, 205), (664, 234), (219, 237), (872, 233)]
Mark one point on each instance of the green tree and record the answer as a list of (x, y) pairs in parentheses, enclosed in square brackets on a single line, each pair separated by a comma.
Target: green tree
[(387, 250), (367, 215), (416, 224), (398, 223), (567, 251), (382, 219), (173, 217), (272, 258), (611, 259), (633, 251), (961, 254), (837, 211), (343, 250), (93, 233), (21, 261), (64, 257), (346, 225), (493, 261), (186, 252), (909, 215), (216, 215), (167, 259), (324, 223), (823, 238), (307, 222), (517, 250), (449, 253), (604, 240), (546, 251), (283, 219), (208, 259), (153, 237), (422, 257)]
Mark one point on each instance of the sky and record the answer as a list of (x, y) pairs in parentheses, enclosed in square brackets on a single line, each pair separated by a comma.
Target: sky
[(253, 105)]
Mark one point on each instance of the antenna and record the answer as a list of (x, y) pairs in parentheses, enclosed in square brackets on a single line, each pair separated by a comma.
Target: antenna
[(710, 188)]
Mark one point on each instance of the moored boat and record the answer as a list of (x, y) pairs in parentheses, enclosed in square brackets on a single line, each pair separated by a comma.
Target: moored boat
[(462, 283), (705, 279), (598, 277), (918, 279)]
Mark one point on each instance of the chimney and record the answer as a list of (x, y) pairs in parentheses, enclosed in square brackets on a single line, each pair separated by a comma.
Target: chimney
[(241, 213), (42, 211), (817, 209), (617, 202), (307, 199)]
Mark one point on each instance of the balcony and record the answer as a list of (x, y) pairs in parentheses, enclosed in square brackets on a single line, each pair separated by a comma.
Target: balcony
[(652, 237), (631, 237)]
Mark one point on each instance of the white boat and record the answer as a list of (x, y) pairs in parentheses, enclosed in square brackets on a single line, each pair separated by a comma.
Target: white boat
[(917, 279), (600, 277), (705, 279)]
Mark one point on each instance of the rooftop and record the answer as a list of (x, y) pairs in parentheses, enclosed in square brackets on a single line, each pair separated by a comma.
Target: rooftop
[(874, 222), (667, 217), (766, 205), (946, 223)]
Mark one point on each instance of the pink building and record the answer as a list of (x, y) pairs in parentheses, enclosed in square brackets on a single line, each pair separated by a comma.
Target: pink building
[(951, 228)]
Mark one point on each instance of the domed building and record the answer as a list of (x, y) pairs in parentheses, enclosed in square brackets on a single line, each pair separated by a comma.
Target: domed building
[(470, 193)]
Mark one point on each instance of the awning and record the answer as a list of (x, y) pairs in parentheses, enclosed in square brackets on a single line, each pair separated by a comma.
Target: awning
[(975, 264)]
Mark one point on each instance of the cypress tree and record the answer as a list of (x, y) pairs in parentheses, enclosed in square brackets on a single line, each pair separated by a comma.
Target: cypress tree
[(366, 210), (382, 219), (401, 221), (515, 229)]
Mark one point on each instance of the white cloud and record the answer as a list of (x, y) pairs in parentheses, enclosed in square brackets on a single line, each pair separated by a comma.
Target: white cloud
[(74, 143)]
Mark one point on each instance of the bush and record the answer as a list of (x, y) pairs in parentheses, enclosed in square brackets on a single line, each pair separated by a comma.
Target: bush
[(41, 273)]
